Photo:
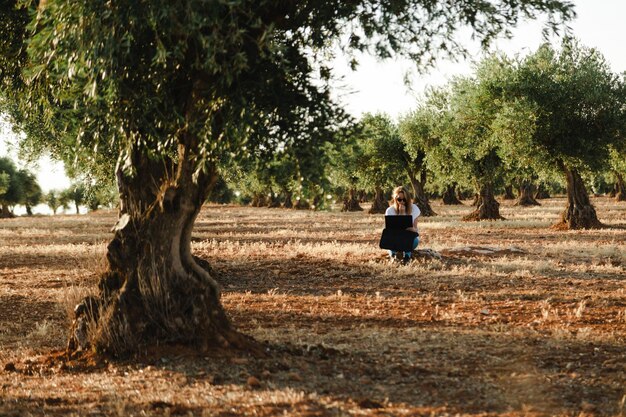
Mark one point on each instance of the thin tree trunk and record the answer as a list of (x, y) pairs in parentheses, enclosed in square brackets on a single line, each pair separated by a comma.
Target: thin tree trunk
[(351, 202), (288, 203), (541, 193), (379, 205), (450, 197), (579, 213), (526, 197), (620, 187), (508, 193), (419, 196), (487, 206)]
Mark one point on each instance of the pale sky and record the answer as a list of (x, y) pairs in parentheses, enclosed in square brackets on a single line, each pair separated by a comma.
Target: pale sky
[(379, 86)]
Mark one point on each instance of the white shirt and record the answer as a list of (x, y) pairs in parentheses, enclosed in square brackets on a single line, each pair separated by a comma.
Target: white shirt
[(415, 211)]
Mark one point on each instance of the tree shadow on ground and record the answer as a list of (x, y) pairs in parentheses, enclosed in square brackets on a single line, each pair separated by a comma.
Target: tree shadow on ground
[(415, 369)]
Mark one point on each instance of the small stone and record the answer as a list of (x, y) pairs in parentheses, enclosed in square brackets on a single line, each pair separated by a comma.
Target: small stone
[(253, 382), (10, 367)]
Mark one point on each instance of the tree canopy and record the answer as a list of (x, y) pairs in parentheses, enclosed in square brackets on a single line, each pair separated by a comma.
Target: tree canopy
[(166, 90)]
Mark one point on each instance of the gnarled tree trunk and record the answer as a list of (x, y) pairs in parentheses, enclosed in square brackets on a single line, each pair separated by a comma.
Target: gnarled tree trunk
[(154, 290), (526, 197), (487, 208), (620, 187), (579, 213), (379, 205), (351, 202), (450, 197), (419, 195)]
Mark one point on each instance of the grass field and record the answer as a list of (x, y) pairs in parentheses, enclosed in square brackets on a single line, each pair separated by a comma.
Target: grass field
[(515, 319)]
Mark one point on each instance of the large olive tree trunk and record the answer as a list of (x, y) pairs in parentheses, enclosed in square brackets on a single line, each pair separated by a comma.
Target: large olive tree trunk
[(620, 187), (351, 201), (419, 195), (579, 213), (487, 208), (154, 290), (526, 195), (379, 205)]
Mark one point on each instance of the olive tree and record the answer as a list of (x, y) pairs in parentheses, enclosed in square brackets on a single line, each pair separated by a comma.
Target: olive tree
[(10, 187), (418, 134), (160, 91), (574, 113), (378, 167), (468, 136)]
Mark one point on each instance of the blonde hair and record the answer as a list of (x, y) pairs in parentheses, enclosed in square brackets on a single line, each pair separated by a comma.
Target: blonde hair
[(407, 196)]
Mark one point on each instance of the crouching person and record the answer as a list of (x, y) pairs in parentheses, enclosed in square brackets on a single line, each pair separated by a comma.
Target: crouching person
[(402, 204)]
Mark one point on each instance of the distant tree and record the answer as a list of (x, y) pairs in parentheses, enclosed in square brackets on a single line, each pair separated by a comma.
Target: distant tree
[(467, 135), (418, 135), (10, 190), (221, 193), (31, 193), (53, 200), (377, 167), (76, 193), (343, 171), (17, 186), (164, 90), (99, 195)]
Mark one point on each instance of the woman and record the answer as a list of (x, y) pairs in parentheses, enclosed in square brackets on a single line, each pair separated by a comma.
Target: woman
[(402, 204)]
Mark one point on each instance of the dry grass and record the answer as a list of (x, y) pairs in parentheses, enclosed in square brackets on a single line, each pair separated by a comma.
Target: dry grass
[(534, 323)]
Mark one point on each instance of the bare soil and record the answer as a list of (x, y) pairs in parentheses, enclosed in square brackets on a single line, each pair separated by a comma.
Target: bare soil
[(515, 319)]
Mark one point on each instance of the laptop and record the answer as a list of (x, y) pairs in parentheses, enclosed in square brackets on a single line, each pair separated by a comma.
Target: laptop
[(398, 221)]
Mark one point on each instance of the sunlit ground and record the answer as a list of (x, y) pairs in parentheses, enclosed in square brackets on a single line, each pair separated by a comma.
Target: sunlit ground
[(516, 319)]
